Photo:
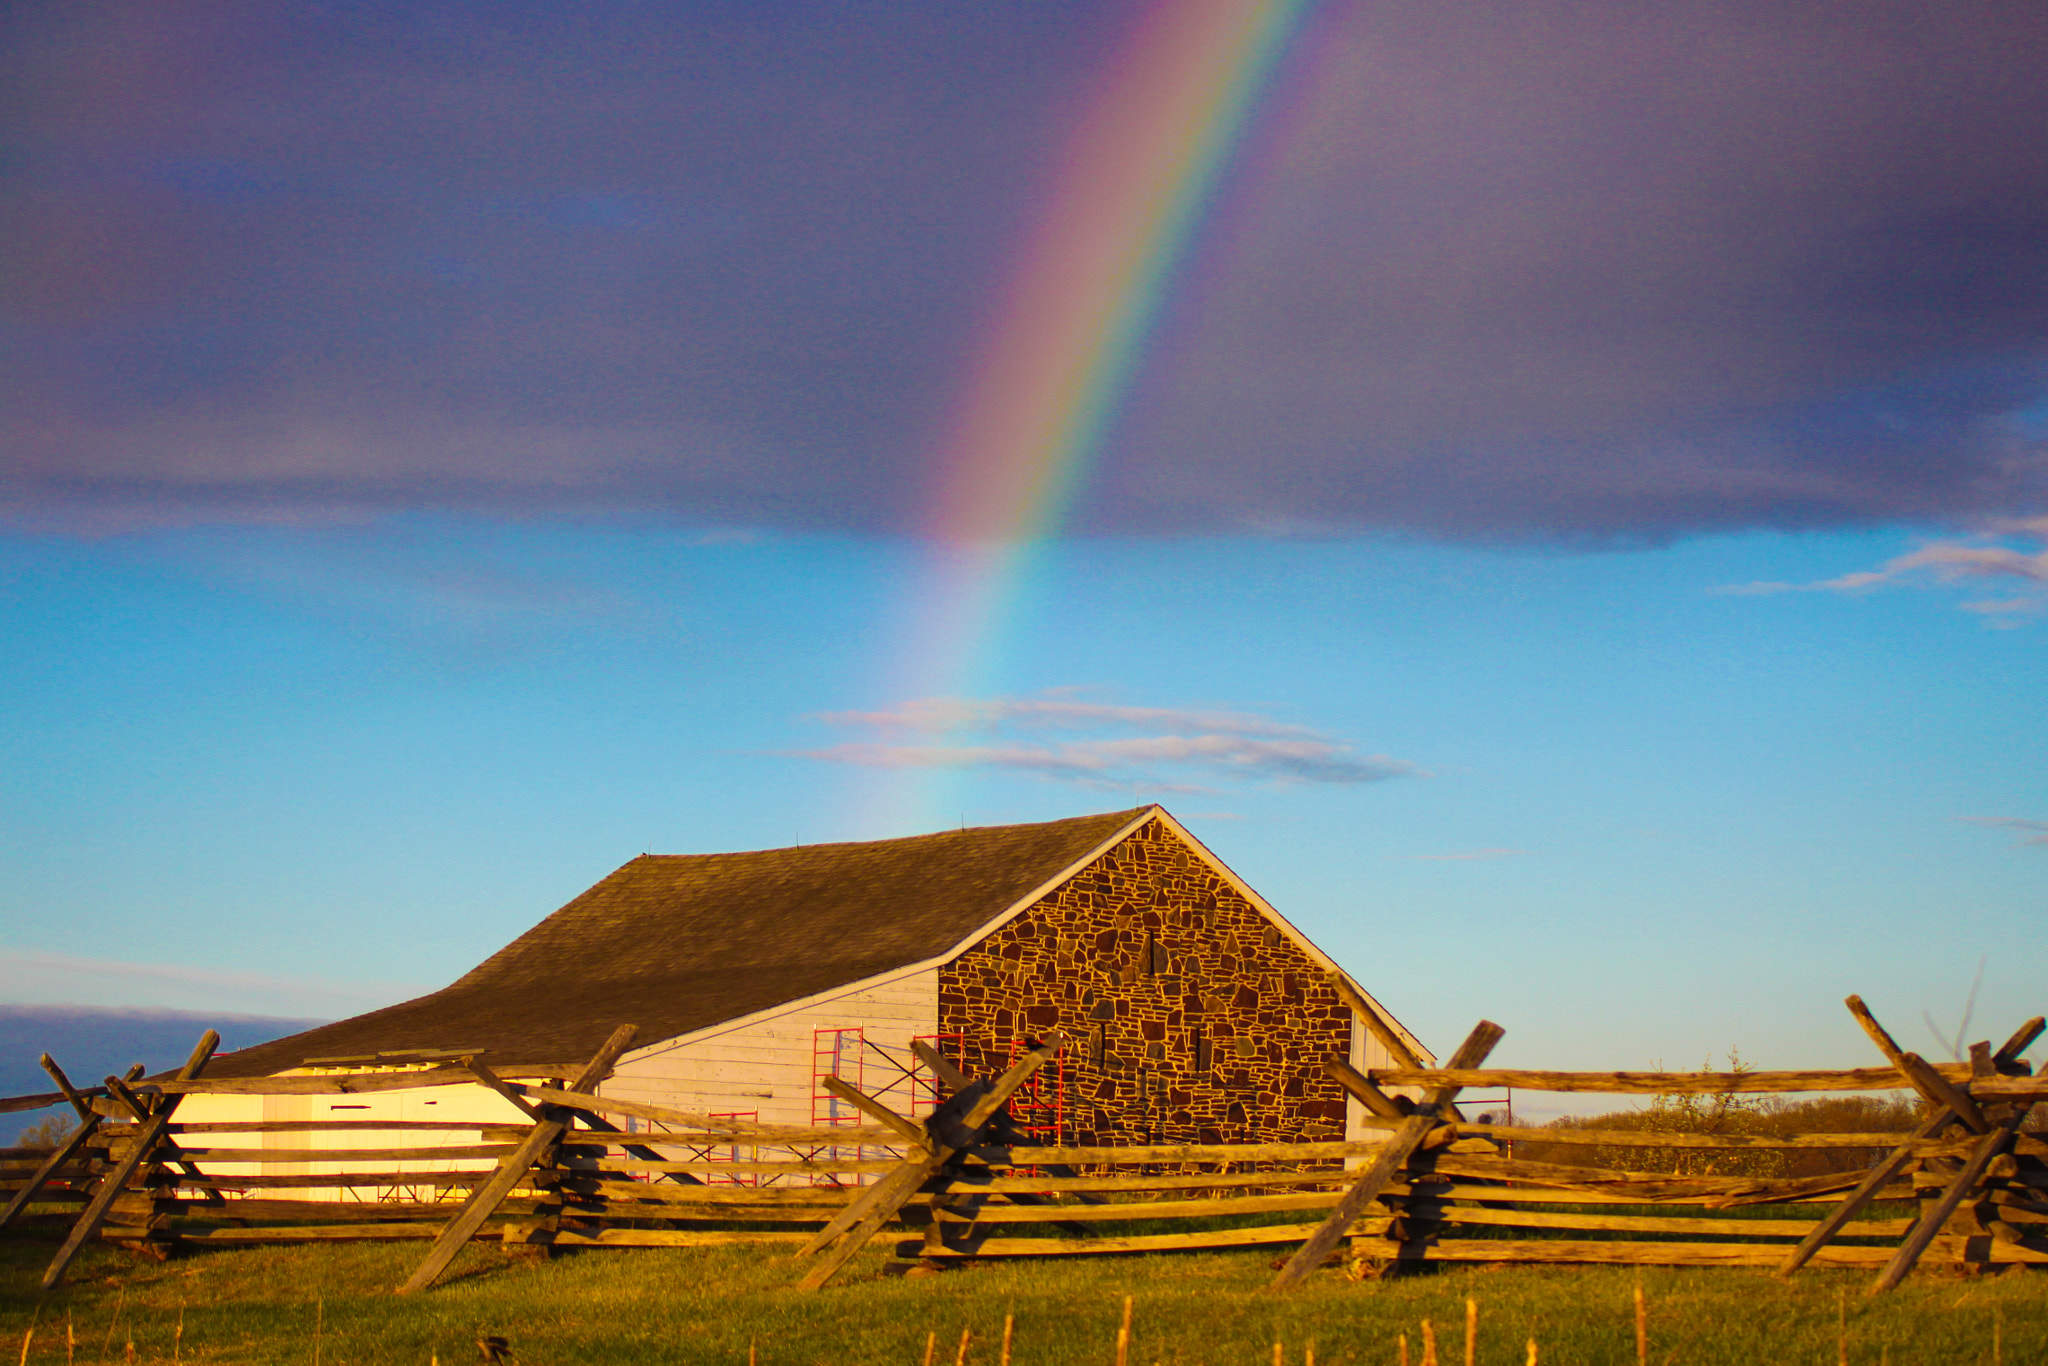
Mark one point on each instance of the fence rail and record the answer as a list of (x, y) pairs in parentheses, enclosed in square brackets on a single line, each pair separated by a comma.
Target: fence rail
[(1967, 1187)]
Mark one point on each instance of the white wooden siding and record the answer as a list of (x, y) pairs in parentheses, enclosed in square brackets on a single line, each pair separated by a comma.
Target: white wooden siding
[(763, 1066), (1368, 1052), (458, 1105)]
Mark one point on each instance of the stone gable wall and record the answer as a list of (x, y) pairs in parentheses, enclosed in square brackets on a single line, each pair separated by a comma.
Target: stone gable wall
[(1193, 1018)]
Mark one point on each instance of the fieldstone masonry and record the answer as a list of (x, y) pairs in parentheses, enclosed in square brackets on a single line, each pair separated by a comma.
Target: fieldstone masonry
[(1193, 1018)]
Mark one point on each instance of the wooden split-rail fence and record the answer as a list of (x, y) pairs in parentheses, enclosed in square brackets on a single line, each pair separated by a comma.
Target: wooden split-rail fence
[(1968, 1188)]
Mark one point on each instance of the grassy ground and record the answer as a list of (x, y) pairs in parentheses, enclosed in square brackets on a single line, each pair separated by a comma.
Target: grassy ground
[(332, 1304)]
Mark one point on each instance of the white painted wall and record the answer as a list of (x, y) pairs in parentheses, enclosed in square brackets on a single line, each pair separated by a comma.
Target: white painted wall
[(764, 1064), (460, 1106), (1368, 1052)]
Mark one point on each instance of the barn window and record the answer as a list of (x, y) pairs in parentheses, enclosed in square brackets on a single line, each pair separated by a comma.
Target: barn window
[(1202, 1051)]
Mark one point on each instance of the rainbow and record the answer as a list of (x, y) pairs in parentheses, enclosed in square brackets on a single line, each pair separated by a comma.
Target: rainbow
[(1069, 328)]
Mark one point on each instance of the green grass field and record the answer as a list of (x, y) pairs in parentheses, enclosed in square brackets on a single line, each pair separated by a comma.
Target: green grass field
[(333, 1304)]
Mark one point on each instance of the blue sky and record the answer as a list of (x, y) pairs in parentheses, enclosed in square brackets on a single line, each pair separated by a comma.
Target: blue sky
[(1574, 532), (1642, 819)]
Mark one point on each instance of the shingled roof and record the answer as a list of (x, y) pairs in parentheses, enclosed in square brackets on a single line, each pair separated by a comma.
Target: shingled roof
[(675, 942)]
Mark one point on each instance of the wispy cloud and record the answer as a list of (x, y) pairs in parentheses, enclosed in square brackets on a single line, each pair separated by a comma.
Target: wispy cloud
[(1985, 558), (1055, 708), (2030, 832), (1466, 856), (1061, 736)]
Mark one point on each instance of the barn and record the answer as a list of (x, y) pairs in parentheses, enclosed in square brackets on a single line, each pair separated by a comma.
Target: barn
[(1196, 1013)]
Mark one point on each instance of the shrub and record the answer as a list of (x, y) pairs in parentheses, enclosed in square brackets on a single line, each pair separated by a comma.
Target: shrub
[(47, 1132)]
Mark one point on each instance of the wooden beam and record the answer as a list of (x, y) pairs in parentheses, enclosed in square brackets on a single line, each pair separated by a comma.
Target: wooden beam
[(268, 1156), (1932, 1086), (672, 1171), (146, 1139), (1002, 1130), (2022, 1039), (348, 1083), (1388, 1164), (486, 1198), (744, 1131), (70, 1093), (89, 1124), (1880, 1175), (950, 1076), (63, 1153), (141, 1107), (1381, 1104), (124, 1096), (1936, 1089), (874, 1109), (491, 1079), (1650, 1138), (1931, 1222), (2011, 1088), (1656, 1083), (950, 1131)]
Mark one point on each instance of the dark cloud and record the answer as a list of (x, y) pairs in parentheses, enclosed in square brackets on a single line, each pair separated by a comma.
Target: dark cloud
[(1554, 269)]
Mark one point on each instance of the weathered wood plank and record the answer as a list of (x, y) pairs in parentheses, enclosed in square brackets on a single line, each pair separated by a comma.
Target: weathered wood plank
[(491, 1131), (967, 1183), (1138, 1242), (1380, 1107), (951, 1131), (262, 1156), (1130, 1210), (817, 1167), (335, 1084), (1656, 1083), (1399, 1146), (513, 1169), (1601, 1251), (335, 1180), (117, 1176), (311, 1233), (1022, 1155), (598, 1189), (1641, 1138), (1931, 1222), (1918, 1072), (1866, 1191), (2008, 1054), (706, 1128), (874, 1109), (42, 1100), (287, 1211), (482, 1072), (1937, 1090), (1644, 1187), (60, 1160), (1638, 1223), (677, 1237)]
